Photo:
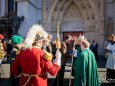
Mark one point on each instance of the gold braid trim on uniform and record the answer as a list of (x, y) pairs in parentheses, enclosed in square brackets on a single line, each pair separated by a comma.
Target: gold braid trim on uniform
[(40, 34), (48, 56), (2, 52), (30, 76)]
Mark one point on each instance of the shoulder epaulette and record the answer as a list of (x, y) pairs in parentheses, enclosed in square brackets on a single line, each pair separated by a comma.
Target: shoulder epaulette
[(48, 56)]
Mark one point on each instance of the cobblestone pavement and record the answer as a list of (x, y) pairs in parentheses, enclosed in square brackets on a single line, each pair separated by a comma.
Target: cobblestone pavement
[(5, 81)]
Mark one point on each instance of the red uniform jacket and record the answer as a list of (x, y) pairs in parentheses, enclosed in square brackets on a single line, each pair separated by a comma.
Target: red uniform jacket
[(33, 62)]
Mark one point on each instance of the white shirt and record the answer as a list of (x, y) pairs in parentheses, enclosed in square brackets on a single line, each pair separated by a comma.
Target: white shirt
[(111, 57)]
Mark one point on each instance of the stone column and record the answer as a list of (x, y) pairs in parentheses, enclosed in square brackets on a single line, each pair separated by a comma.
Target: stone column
[(2, 7), (44, 13), (101, 25)]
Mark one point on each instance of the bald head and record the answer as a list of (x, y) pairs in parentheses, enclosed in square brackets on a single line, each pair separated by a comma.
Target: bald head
[(85, 44), (49, 37)]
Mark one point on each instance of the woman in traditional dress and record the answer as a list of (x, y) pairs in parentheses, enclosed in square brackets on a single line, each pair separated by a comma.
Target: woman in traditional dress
[(17, 44)]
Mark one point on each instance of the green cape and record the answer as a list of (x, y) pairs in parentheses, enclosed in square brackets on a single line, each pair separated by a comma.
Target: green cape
[(86, 69)]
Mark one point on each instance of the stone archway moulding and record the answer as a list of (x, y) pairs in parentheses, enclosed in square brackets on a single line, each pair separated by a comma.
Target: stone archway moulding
[(93, 16), (55, 2)]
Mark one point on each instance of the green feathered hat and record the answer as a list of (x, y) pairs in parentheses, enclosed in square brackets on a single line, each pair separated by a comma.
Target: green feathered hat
[(16, 40)]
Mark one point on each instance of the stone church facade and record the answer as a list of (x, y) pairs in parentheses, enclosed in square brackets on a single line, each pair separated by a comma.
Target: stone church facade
[(93, 18)]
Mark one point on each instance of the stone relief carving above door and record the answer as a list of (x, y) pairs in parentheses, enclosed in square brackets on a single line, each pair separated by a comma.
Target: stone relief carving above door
[(73, 25), (72, 19), (72, 12)]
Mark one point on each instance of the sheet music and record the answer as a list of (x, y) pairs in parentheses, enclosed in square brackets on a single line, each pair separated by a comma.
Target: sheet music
[(75, 53)]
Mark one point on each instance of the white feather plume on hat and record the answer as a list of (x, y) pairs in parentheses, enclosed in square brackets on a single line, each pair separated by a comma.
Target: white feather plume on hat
[(45, 34), (31, 35)]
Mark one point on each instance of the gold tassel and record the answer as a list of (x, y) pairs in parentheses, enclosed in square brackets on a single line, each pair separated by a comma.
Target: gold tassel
[(58, 44)]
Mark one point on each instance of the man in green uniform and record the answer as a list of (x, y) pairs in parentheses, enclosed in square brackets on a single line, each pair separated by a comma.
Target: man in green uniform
[(16, 42), (86, 68), (17, 45)]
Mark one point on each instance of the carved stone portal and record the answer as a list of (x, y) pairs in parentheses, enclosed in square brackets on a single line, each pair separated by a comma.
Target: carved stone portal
[(72, 19)]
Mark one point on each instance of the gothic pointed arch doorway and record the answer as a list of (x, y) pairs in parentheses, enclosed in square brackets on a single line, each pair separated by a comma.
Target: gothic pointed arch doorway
[(77, 15), (72, 21)]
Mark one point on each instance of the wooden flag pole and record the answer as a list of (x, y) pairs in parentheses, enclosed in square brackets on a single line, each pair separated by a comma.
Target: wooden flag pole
[(71, 64), (58, 46)]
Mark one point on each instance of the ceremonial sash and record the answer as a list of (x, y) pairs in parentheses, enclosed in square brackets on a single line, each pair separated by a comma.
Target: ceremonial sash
[(30, 76)]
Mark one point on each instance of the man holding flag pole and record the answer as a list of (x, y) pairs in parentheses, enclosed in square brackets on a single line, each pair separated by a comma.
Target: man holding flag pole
[(34, 63), (64, 57)]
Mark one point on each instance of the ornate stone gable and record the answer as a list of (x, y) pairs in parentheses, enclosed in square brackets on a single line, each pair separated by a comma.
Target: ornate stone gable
[(72, 19), (48, 2), (72, 11)]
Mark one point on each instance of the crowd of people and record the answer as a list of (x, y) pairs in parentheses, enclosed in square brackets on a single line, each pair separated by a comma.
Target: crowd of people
[(36, 55)]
